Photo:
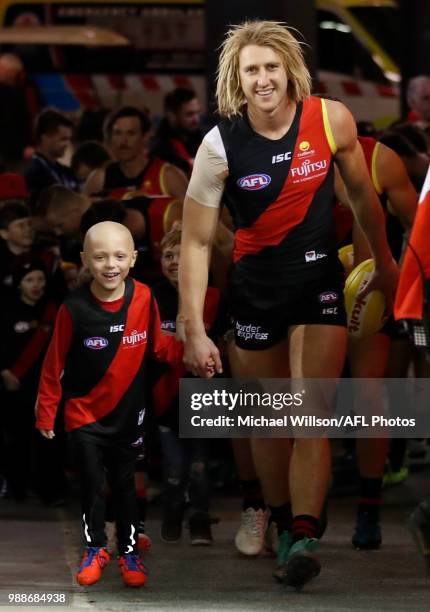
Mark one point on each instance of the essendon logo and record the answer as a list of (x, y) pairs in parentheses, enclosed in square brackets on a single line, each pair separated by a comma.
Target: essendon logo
[(253, 182), (96, 343)]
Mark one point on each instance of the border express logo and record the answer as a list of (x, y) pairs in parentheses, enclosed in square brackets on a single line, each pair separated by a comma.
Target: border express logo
[(253, 182), (96, 343)]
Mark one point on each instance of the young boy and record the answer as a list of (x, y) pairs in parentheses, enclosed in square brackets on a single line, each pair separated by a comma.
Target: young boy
[(185, 460), (17, 248), (104, 333), (28, 318)]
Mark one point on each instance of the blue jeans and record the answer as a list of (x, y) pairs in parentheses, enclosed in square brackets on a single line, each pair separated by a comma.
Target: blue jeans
[(184, 467)]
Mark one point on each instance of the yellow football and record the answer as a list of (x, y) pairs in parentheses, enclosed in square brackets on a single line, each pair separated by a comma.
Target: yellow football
[(346, 256), (365, 315)]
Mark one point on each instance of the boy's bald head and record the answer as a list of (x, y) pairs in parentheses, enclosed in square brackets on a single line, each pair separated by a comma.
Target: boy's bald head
[(108, 232)]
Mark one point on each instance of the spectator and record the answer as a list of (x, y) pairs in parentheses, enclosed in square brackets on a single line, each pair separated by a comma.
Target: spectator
[(18, 248), (418, 98), (60, 209), (185, 461), (89, 156), (28, 319), (127, 134), (12, 187), (15, 119), (179, 135), (53, 134)]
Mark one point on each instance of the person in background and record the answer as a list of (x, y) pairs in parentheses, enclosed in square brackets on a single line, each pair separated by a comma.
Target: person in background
[(28, 317), (88, 157), (53, 135), (185, 461), (128, 131), (418, 99), (15, 118), (179, 133)]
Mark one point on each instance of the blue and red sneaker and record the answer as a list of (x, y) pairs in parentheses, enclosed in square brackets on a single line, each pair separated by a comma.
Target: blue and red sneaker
[(93, 562), (133, 571)]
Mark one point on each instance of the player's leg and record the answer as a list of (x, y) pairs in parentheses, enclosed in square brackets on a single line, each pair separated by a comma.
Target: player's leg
[(316, 351), (368, 359), (262, 463)]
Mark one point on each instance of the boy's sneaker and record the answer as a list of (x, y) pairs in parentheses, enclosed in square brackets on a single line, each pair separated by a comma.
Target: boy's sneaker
[(284, 545), (249, 539), (144, 542), (367, 534), (93, 562), (419, 524), (200, 529), (302, 565), (133, 571)]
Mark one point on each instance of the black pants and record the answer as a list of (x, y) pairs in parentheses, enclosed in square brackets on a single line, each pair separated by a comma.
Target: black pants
[(99, 463)]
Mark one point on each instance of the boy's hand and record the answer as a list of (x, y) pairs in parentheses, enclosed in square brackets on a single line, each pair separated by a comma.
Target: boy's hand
[(11, 382), (47, 433)]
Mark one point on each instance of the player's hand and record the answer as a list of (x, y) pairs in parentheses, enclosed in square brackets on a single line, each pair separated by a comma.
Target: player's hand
[(385, 279), (47, 433), (201, 356), (11, 382)]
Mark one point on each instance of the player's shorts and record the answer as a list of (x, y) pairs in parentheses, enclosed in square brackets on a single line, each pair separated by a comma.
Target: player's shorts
[(261, 315)]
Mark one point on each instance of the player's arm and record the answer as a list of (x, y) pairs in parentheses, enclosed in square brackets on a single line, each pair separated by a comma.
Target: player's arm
[(50, 390), (395, 183), (199, 226), (363, 198)]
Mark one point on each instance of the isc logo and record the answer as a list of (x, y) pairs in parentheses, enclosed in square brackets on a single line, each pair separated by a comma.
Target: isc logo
[(96, 343), (116, 328), (277, 159), (252, 182)]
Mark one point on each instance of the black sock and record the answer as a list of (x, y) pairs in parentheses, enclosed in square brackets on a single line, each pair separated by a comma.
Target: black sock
[(370, 496), (252, 496), (305, 526), (141, 512), (282, 516)]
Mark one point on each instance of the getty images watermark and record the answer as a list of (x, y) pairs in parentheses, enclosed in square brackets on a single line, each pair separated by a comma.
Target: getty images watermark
[(262, 408)]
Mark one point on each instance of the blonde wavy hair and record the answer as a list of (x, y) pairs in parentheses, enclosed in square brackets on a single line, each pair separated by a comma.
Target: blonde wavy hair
[(274, 34)]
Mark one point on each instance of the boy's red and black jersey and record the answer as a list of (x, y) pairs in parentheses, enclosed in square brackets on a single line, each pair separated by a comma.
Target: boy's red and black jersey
[(280, 194), (104, 383), (166, 377)]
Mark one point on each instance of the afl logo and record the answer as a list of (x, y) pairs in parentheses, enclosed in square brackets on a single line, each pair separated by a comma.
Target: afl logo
[(96, 343), (304, 145), (253, 182), (329, 297)]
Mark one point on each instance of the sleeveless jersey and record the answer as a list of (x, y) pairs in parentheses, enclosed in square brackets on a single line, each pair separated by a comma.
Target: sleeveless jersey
[(280, 195), (104, 381), (149, 182)]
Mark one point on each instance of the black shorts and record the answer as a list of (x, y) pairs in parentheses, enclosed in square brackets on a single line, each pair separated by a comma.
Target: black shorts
[(261, 316)]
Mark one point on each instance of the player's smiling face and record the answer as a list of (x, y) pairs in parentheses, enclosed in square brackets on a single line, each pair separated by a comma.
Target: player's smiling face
[(263, 77)]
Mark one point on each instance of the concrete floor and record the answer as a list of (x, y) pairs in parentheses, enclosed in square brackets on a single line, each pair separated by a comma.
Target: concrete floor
[(40, 549)]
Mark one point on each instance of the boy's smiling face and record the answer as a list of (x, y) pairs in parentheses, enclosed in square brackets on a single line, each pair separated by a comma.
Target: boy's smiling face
[(108, 254), (170, 263)]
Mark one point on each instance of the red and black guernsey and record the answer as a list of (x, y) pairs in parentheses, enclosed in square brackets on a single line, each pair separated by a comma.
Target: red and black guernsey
[(150, 181), (104, 383), (280, 194), (165, 388)]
